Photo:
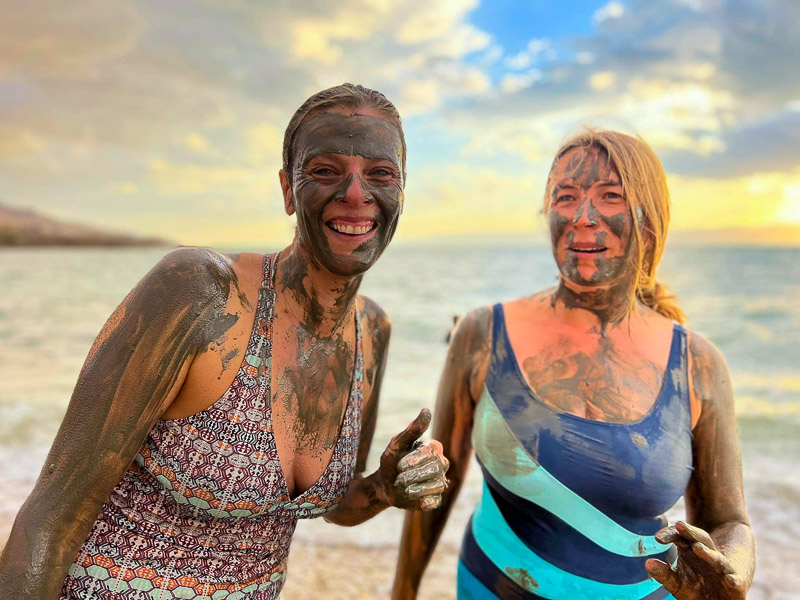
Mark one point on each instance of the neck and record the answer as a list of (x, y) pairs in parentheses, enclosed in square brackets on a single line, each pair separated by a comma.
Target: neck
[(320, 301), (594, 306)]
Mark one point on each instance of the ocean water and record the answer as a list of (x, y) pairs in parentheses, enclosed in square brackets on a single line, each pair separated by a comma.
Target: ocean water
[(54, 301)]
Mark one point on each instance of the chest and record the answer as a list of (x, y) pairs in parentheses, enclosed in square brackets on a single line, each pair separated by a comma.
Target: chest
[(605, 379)]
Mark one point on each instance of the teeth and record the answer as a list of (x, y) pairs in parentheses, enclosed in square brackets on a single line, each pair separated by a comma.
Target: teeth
[(352, 230)]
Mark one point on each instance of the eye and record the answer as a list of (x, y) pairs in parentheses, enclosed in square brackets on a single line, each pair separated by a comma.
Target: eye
[(613, 197), (383, 173), (323, 171), (563, 198)]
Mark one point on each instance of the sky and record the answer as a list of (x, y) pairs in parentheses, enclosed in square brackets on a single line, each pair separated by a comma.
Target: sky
[(166, 117)]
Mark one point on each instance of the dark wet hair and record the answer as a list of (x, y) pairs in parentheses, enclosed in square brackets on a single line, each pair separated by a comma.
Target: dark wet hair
[(349, 95)]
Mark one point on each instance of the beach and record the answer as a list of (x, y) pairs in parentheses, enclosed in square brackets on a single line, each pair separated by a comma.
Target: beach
[(54, 302)]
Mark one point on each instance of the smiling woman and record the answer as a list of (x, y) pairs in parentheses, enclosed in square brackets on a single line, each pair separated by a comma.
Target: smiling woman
[(591, 410), (229, 396)]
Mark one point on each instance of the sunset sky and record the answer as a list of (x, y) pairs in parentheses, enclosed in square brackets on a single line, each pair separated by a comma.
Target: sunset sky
[(166, 118)]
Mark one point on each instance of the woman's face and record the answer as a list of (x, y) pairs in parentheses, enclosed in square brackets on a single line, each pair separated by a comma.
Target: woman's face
[(590, 222), (346, 188)]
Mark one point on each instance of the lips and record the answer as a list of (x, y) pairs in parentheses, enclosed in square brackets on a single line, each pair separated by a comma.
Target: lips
[(587, 248), (352, 227)]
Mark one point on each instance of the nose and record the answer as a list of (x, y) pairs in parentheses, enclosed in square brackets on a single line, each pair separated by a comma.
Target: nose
[(354, 191), (585, 215)]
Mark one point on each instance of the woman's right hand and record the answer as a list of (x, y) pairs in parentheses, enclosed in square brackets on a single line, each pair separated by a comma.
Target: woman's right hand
[(702, 571)]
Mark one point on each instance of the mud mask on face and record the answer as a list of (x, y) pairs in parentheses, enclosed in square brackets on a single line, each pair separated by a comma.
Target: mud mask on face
[(369, 137), (587, 217)]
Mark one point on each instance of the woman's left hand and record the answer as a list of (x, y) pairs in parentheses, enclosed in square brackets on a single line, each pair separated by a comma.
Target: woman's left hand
[(412, 474), (702, 571)]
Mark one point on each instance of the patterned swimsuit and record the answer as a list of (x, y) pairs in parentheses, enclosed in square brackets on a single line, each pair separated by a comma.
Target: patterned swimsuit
[(204, 510)]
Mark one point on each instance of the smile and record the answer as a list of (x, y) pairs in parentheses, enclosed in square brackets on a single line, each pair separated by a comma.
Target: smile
[(587, 249), (351, 228)]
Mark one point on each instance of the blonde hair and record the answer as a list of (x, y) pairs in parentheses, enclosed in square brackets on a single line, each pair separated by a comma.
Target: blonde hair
[(645, 187)]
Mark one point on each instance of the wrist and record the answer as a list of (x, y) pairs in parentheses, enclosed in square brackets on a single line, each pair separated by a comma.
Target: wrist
[(378, 491)]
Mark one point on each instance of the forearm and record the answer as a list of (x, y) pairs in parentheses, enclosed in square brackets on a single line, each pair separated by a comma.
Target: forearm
[(362, 501), (39, 553), (735, 540), (421, 533)]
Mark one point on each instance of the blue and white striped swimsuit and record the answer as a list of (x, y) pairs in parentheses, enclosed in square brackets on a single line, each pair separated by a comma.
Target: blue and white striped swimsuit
[(569, 504)]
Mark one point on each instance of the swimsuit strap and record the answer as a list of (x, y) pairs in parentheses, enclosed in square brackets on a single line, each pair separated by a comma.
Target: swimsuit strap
[(268, 272)]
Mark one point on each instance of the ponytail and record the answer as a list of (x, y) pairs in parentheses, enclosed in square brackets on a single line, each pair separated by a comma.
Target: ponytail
[(660, 300)]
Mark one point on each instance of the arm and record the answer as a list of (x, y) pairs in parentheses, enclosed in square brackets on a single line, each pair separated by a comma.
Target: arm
[(716, 551), (423, 470), (459, 389), (133, 372)]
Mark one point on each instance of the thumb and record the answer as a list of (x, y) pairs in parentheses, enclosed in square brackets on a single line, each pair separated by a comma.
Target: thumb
[(404, 440)]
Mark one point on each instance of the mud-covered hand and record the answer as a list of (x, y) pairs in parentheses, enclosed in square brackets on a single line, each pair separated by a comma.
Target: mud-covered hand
[(412, 475), (701, 572)]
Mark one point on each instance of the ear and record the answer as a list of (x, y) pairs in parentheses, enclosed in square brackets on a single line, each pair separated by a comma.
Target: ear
[(286, 188)]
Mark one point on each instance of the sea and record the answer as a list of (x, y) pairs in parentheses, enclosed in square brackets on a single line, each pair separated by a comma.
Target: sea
[(745, 300)]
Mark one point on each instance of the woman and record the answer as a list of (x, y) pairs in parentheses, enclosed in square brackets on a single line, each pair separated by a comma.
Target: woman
[(229, 396), (591, 411)]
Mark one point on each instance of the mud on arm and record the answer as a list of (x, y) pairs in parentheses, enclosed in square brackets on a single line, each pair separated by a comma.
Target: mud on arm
[(133, 371), (716, 549), (364, 498), (460, 386)]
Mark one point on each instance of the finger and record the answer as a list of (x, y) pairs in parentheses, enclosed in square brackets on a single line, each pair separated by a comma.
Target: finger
[(429, 470), (426, 488), (735, 583), (430, 502), (714, 558), (670, 535), (404, 440), (421, 455), (695, 534), (663, 574)]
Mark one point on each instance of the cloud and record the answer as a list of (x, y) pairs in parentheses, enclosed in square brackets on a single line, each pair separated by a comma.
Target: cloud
[(535, 51), (678, 73), (612, 10), (457, 198), (758, 199), (514, 82), (771, 143), (196, 142), (91, 93), (602, 80), (15, 140), (54, 39)]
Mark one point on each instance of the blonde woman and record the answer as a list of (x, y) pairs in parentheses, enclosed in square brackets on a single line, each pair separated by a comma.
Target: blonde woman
[(591, 410)]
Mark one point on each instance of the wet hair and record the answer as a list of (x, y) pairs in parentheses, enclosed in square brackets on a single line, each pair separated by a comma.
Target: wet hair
[(644, 185), (348, 95)]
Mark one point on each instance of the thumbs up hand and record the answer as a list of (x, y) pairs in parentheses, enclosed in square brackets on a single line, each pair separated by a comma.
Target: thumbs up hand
[(412, 474)]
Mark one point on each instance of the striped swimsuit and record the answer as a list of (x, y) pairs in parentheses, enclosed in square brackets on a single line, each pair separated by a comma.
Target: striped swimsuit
[(204, 511), (570, 505)]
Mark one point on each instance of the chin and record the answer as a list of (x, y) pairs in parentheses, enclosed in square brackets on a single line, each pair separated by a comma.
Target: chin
[(349, 265)]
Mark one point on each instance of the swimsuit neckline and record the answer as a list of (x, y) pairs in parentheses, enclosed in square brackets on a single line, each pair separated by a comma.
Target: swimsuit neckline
[(284, 484), (559, 413)]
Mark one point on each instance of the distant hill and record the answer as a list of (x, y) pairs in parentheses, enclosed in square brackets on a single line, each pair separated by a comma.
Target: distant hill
[(21, 227)]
